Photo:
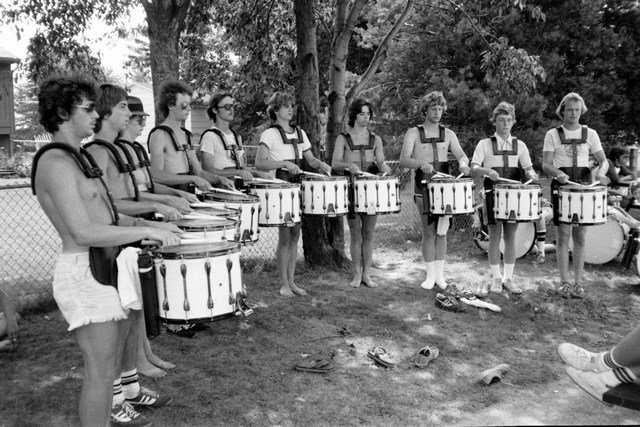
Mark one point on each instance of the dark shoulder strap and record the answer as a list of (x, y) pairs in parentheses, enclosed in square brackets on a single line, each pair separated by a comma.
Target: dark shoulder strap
[(220, 135), (94, 165), (282, 133), (75, 154), (585, 130), (189, 135), (122, 167), (172, 135)]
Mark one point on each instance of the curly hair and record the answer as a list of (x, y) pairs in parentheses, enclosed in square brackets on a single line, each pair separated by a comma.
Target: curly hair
[(277, 101), (435, 97), (356, 108), (503, 108), (618, 151), (109, 96), (215, 100), (58, 97), (572, 96), (168, 95)]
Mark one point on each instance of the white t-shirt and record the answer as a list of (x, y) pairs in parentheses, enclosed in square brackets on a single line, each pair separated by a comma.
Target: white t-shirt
[(485, 157), (563, 153), (222, 159), (278, 151)]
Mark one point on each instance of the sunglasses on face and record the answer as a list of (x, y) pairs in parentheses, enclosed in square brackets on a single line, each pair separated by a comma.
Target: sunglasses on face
[(141, 120), (185, 106), (228, 107), (89, 108)]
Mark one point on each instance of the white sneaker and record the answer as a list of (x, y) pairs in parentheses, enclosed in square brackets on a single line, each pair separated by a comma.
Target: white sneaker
[(123, 414), (594, 383), (578, 357)]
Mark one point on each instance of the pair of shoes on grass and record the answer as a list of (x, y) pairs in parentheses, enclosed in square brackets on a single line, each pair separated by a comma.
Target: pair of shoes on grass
[(380, 356), (571, 291), (448, 303)]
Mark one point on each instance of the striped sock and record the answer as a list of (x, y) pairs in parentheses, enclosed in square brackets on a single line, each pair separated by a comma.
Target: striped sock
[(541, 236), (624, 375), (118, 397), (130, 384), (605, 362)]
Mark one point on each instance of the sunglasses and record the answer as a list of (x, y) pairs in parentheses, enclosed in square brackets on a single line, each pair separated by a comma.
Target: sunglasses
[(185, 105), (90, 108), (228, 107), (141, 120)]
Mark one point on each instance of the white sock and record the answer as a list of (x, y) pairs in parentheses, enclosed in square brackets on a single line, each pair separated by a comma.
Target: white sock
[(118, 397), (495, 271), (130, 384), (508, 272), (439, 264), (431, 276)]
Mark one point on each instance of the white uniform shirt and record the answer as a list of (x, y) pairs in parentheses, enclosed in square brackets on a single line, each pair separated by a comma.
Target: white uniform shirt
[(212, 144)]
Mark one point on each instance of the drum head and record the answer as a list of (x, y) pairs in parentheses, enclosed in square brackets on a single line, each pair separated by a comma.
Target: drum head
[(323, 178), (197, 251), (204, 224), (218, 196), (602, 243), (215, 210)]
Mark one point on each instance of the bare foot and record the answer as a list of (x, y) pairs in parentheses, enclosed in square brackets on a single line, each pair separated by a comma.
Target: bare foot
[(368, 282), (297, 290), (286, 291), (148, 370), (152, 358), (355, 283)]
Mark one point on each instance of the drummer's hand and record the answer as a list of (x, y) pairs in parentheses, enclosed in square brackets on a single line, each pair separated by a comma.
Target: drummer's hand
[(201, 183), (169, 213), (353, 169), (166, 226), (427, 168), (465, 170), (493, 175), (189, 197), (244, 174), (166, 238), (605, 180), (533, 176), (325, 168), (182, 205), (225, 183), (385, 169), (562, 178), (292, 168)]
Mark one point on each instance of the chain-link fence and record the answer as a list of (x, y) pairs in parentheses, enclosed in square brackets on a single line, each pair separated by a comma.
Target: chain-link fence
[(29, 243)]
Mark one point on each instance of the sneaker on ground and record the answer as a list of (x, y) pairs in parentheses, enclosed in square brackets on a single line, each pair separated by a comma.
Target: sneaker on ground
[(591, 382), (578, 357), (483, 289), (123, 414), (496, 286), (577, 291), (149, 399), (565, 290), (512, 287), (540, 258)]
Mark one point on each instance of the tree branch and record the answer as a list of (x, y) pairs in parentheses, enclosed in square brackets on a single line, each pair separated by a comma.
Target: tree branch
[(470, 20), (380, 55)]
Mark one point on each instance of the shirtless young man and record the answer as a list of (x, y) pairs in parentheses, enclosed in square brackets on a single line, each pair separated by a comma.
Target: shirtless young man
[(79, 209), (425, 149), (565, 157), (173, 160)]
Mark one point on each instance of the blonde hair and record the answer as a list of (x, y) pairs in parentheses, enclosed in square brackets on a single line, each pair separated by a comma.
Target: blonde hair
[(435, 97), (572, 96), (277, 101), (503, 108)]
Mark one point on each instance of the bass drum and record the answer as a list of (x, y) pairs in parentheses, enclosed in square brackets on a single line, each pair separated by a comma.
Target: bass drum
[(525, 239), (602, 243)]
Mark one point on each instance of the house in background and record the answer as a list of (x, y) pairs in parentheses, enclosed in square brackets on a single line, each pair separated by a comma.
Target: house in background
[(7, 112)]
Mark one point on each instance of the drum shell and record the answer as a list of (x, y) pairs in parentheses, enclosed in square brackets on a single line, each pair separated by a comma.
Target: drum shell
[(171, 290), (279, 203), (328, 196), (581, 205), (450, 196), (246, 205), (375, 195), (517, 202), (603, 242)]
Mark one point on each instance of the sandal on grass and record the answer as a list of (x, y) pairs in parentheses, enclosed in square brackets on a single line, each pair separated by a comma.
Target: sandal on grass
[(379, 355), (448, 303), (318, 366), (425, 356)]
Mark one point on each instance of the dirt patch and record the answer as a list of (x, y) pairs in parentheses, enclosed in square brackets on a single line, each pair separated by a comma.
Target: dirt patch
[(240, 371)]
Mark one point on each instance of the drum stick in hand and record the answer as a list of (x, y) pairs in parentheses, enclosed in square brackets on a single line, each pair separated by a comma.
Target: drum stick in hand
[(593, 184), (365, 173), (528, 182), (460, 176), (311, 173)]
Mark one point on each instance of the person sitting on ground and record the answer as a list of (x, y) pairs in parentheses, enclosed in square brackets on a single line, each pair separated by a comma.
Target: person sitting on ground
[(598, 372), (8, 322)]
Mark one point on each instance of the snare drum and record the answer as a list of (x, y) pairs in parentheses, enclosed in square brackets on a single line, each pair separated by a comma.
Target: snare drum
[(375, 195), (327, 195), (447, 196), (198, 283), (602, 243), (517, 202), (279, 203), (208, 230), (246, 205), (582, 205)]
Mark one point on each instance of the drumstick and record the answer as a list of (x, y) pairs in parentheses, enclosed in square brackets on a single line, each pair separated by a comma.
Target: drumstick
[(528, 182), (198, 215), (363, 173), (276, 180), (594, 184), (574, 183), (229, 191), (443, 174), (203, 205), (460, 176), (311, 173)]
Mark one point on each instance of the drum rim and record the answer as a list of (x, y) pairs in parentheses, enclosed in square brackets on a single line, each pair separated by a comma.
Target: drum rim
[(519, 186), (454, 180), (225, 197), (231, 211), (582, 189), (218, 225), (376, 178), (223, 248), (324, 178), (270, 185)]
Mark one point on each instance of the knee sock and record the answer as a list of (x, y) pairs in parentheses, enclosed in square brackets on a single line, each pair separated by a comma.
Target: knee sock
[(541, 236), (118, 397), (508, 272), (439, 264), (495, 271), (605, 362), (130, 384), (618, 376), (431, 276)]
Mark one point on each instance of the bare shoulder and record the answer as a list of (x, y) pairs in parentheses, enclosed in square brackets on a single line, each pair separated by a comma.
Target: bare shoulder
[(411, 135), (159, 136), (56, 167)]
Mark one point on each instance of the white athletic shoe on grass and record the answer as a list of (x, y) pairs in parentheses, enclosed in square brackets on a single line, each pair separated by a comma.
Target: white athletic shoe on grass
[(578, 357)]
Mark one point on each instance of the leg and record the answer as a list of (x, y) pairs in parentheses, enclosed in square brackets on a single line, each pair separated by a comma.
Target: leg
[(541, 234), (144, 363), (355, 246), (578, 258), (428, 246), (510, 258), (562, 252), (282, 258), (495, 235), (293, 259), (626, 352), (98, 343), (368, 225)]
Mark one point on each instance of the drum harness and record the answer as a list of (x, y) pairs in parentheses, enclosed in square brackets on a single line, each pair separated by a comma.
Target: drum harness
[(438, 166), (123, 167), (143, 158), (505, 171), (185, 148), (235, 150)]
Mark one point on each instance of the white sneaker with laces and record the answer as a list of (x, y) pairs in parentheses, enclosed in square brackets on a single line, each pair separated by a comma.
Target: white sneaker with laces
[(578, 357)]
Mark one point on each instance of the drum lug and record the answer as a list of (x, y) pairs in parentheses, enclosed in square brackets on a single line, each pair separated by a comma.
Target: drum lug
[(229, 267), (163, 273), (183, 271)]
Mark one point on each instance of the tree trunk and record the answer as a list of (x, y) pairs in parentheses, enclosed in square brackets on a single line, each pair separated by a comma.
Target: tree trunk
[(166, 20), (319, 248)]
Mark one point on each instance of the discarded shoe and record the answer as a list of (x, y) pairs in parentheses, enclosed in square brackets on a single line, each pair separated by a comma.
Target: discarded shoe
[(184, 331), (379, 355), (578, 357), (448, 303), (483, 289), (318, 366), (493, 375), (425, 356)]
